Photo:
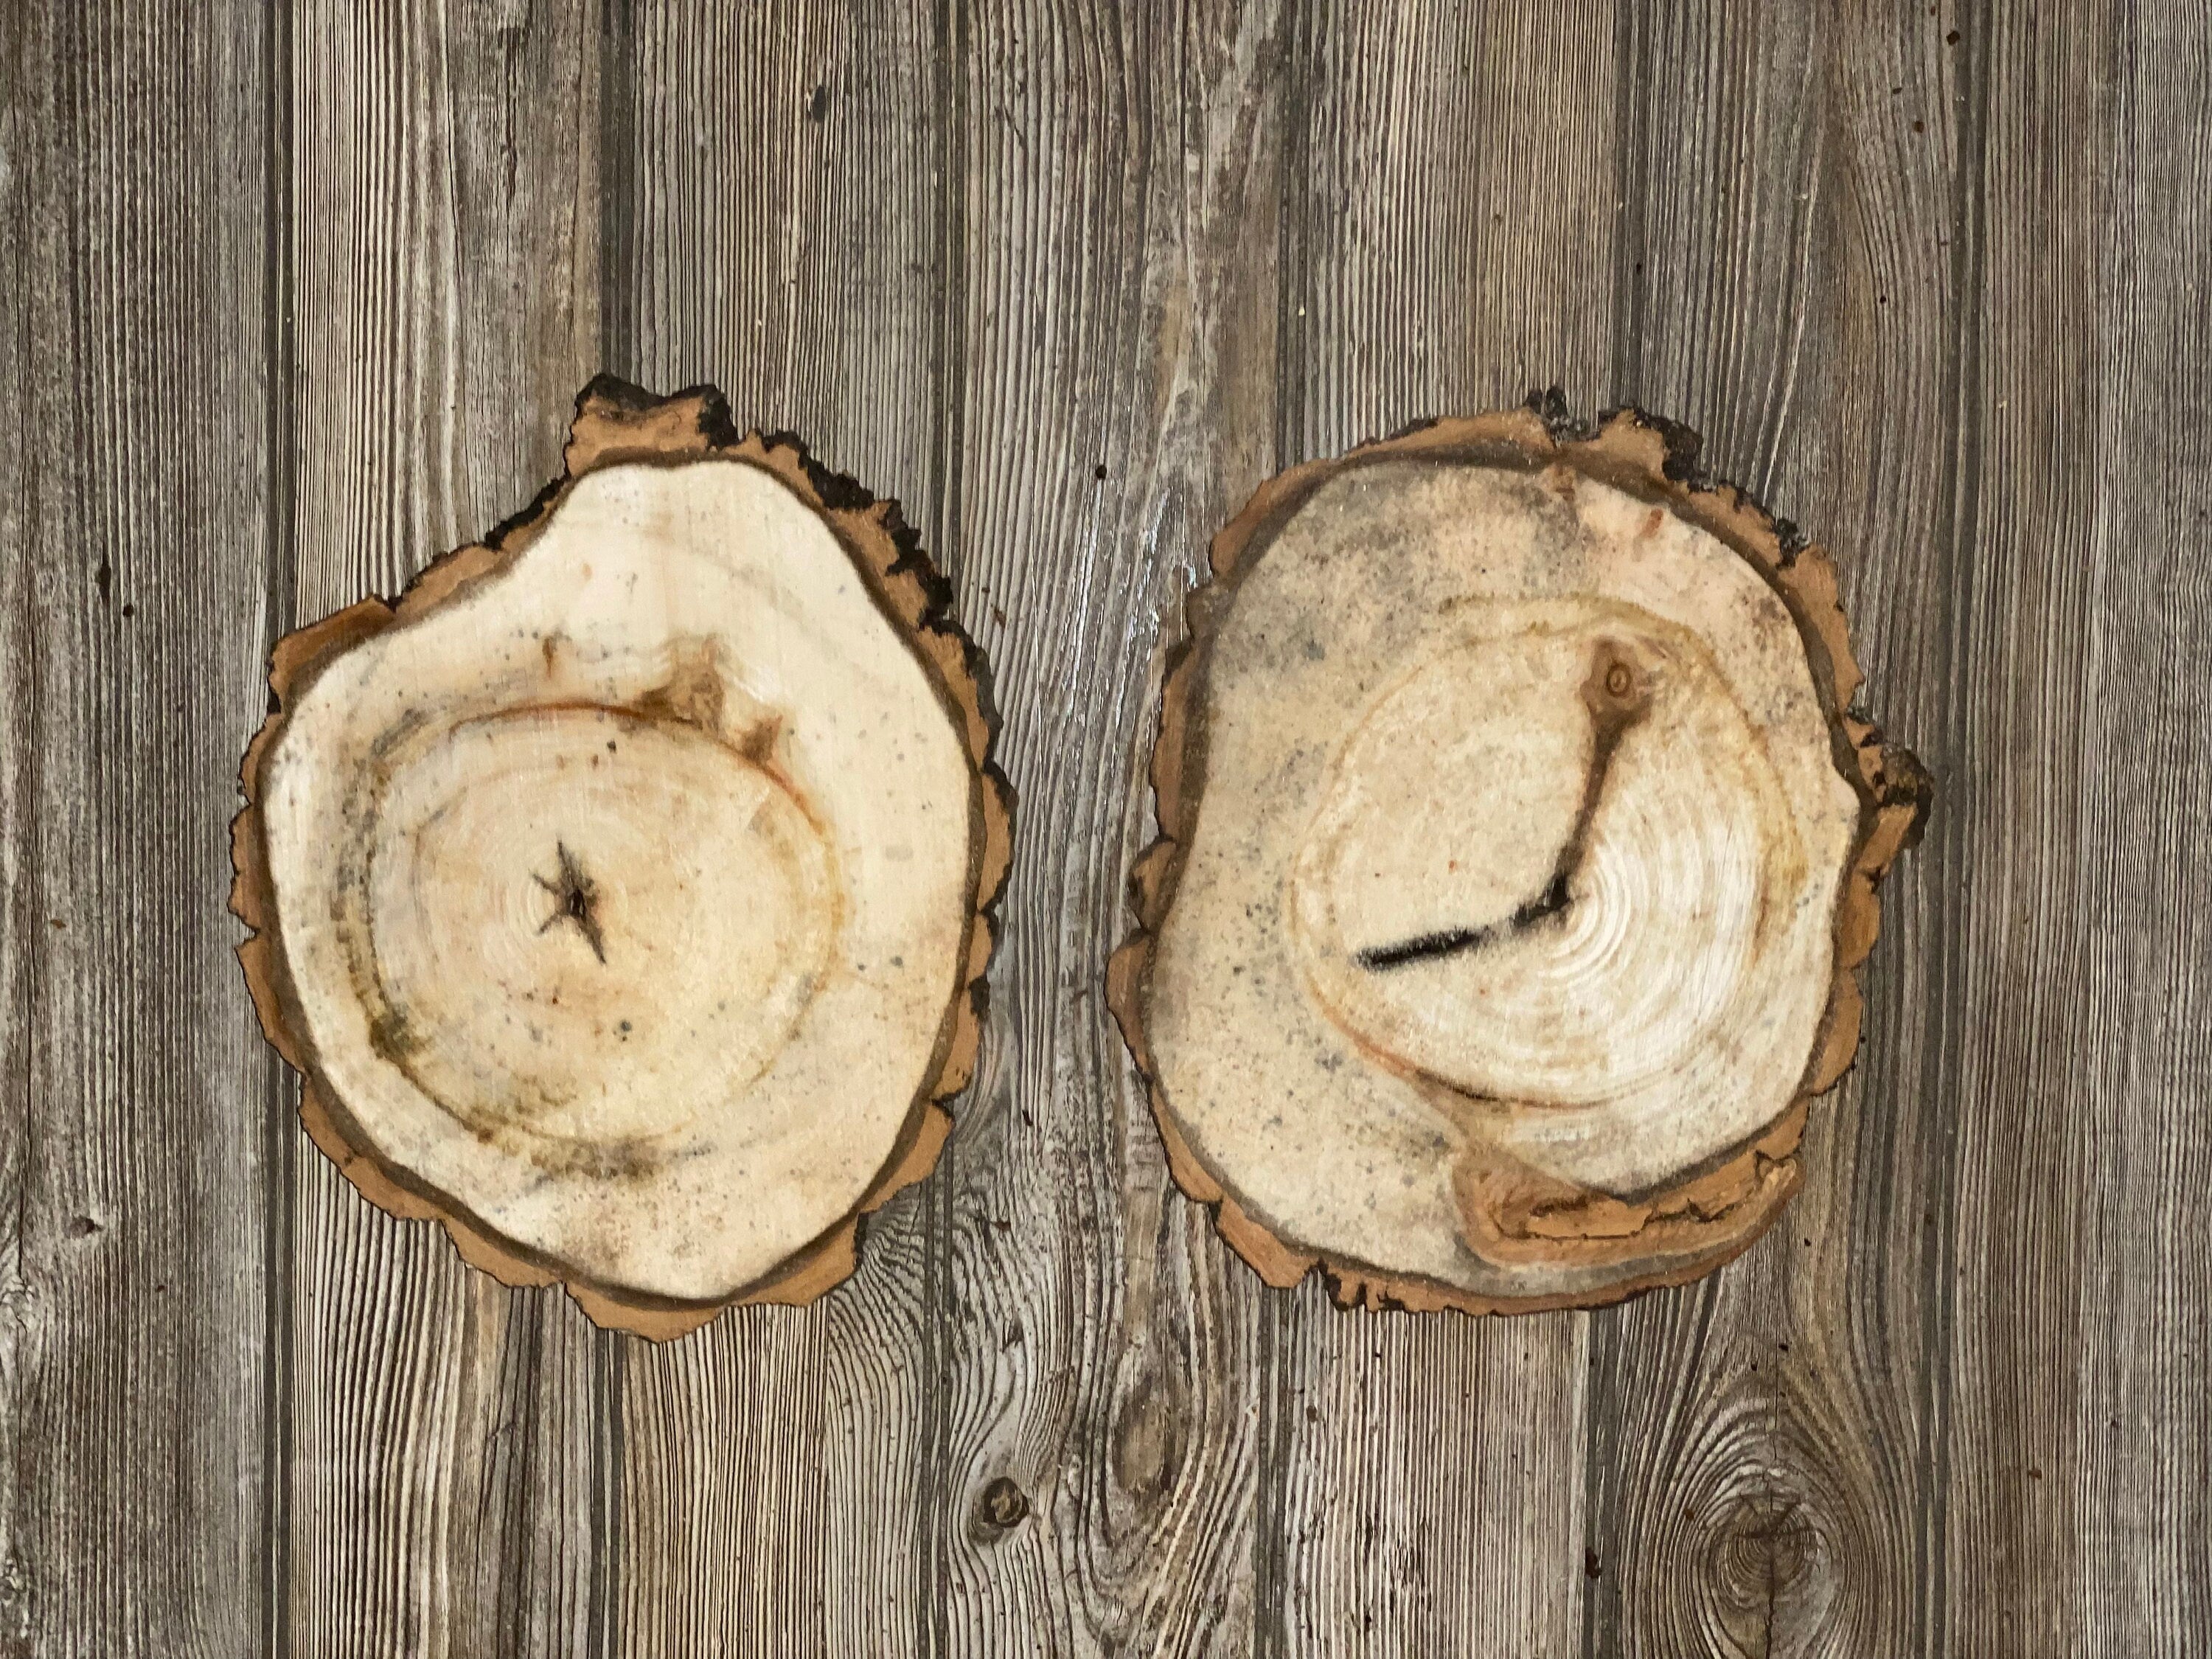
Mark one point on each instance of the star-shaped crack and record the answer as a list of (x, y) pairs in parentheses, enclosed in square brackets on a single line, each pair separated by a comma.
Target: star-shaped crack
[(575, 900)]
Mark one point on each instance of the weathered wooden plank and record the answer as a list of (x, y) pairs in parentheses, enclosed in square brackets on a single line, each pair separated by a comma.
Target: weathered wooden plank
[(1455, 211), (2016, 999), (23, 124), (1762, 1455), (1116, 379), (2142, 1440), (974, 258), (781, 239), (2077, 1436), (445, 1435), (134, 537)]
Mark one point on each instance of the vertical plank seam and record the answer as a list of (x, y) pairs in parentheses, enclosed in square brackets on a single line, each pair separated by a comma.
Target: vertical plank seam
[(1294, 256), (523, 1340), (1271, 1632), (949, 345), (1632, 145), (23, 687), (280, 604), (1600, 1441), (1631, 121), (933, 1629), (1963, 463), (20, 1312), (615, 175), (604, 1622)]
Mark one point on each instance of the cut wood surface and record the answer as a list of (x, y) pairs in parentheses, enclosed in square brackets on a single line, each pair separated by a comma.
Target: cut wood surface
[(1518, 857), (293, 297), (623, 893)]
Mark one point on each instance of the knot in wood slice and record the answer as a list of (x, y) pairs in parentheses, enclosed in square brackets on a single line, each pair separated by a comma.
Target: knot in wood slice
[(1003, 1505), (1517, 851), (622, 891)]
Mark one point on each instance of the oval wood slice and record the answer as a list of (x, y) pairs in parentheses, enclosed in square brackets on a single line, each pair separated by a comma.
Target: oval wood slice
[(624, 892), (1517, 849)]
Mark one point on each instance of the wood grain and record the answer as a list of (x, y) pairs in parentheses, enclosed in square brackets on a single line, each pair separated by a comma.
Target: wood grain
[(1119, 341), (1455, 255), (2143, 1425), (447, 1438), (2016, 1006), (781, 241), (2076, 1518), (135, 1284), (1762, 1463), (293, 297)]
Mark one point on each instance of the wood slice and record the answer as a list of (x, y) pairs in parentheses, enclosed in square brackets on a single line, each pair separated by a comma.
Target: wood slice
[(1516, 852), (624, 892)]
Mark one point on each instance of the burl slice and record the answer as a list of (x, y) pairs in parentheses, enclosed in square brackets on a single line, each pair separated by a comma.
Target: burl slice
[(623, 894), (1516, 852)]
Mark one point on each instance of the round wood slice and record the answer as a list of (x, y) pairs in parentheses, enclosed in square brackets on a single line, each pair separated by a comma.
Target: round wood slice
[(624, 892), (1516, 852)]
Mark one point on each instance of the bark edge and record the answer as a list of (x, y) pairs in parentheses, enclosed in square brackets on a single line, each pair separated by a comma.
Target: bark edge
[(1654, 459), (614, 423)]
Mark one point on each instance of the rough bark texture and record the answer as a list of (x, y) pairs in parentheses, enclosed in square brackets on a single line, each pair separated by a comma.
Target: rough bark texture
[(1601, 1246), (289, 293), (616, 423)]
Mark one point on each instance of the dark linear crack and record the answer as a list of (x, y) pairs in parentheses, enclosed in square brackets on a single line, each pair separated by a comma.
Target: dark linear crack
[(1617, 698), (1456, 941), (575, 896)]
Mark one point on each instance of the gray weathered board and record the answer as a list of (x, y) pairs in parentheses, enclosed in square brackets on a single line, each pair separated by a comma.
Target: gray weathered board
[(293, 298)]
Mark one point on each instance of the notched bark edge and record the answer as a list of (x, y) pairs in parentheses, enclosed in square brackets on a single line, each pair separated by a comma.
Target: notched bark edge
[(1654, 461), (616, 423)]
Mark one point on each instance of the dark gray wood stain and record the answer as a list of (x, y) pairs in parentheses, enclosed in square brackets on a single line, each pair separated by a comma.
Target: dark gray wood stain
[(293, 297)]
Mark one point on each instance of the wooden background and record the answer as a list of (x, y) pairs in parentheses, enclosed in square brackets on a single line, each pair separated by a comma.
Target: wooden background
[(296, 297)]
